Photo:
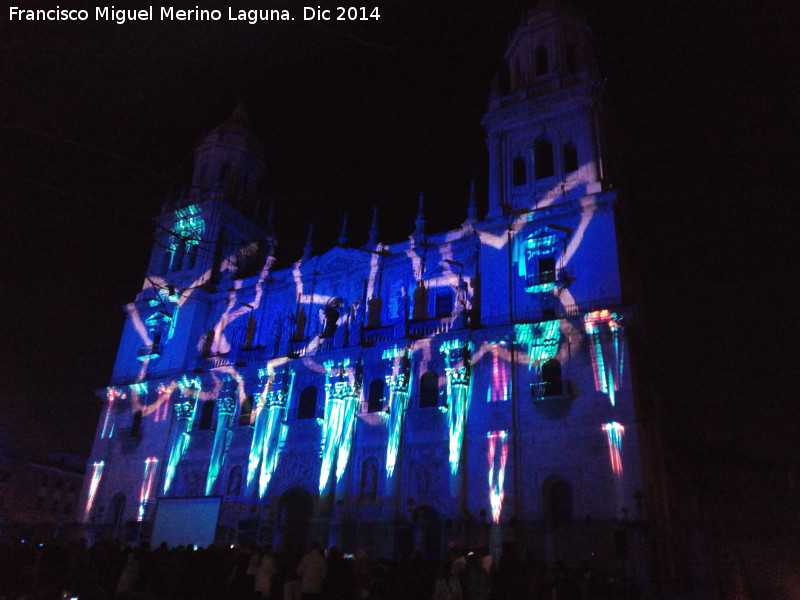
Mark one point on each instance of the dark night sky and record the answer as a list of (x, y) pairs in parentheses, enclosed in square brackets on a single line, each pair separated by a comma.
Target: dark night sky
[(97, 121)]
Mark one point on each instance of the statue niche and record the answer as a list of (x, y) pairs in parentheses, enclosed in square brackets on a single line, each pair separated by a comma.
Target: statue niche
[(420, 302)]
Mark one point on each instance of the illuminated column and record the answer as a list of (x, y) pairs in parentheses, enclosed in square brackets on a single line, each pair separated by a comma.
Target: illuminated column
[(275, 428), (97, 473), (225, 408), (259, 430), (342, 392), (399, 392), (112, 394), (603, 330), (497, 455), (458, 370), (540, 339), (186, 234), (179, 437), (498, 391), (162, 402), (150, 465), (615, 431)]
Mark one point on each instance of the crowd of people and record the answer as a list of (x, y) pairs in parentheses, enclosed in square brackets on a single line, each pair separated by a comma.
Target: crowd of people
[(47, 571)]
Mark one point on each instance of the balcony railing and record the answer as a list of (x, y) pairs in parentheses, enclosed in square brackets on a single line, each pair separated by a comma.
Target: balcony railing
[(423, 329), (547, 314), (550, 390), (371, 337)]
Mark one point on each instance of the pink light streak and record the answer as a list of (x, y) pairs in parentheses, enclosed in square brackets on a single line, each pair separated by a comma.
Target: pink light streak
[(147, 484), (499, 389), (497, 471), (97, 473), (615, 431)]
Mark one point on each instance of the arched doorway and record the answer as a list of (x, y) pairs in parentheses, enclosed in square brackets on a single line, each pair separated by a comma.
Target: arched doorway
[(427, 533), (117, 511), (294, 511)]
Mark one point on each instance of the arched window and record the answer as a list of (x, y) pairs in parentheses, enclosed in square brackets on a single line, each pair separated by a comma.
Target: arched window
[(206, 415), (224, 172), (376, 395), (155, 348), (542, 64), (246, 411), (369, 480), (117, 512), (208, 343), (307, 405), (234, 481), (557, 500), (429, 389), (164, 262), (178, 250), (136, 424), (552, 384), (543, 164), (572, 59), (519, 174), (569, 155), (201, 175), (250, 333), (190, 254)]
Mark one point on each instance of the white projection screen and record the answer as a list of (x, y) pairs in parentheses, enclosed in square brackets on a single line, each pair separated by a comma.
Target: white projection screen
[(186, 521)]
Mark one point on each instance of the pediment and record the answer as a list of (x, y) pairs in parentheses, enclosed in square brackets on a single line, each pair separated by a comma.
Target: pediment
[(341, 259)]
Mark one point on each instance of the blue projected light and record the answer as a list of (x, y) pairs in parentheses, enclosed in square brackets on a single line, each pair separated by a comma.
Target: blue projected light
[(399, 390), (342, 396), (604, 330), (457, 357)]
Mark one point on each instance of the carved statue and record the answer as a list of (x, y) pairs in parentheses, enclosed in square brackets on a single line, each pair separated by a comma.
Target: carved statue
[(277, 332), (403, 304), (374, 312), (321, 325), (357, 322), (342, 333)]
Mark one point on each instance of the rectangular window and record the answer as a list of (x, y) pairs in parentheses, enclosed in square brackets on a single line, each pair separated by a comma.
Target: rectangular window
[(443, 304), (547, 269)]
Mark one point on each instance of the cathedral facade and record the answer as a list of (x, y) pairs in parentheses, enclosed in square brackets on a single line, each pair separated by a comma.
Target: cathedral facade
[(464, 387)]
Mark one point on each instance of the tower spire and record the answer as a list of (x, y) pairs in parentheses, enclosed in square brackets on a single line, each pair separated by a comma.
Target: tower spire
[(419, 230), (343, 239), (308, 248), (272, 241), (373, 229), (239, 115), (472, 209)]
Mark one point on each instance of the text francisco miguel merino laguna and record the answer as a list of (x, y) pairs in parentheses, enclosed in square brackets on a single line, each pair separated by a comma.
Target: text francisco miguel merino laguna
[(170, 13)]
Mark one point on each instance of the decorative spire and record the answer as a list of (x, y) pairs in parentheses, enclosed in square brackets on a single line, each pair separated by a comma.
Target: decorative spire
[(419, 231), (343, 239), (472, 209), (373, 229), (239, 116), (308, 249), (271, 239)]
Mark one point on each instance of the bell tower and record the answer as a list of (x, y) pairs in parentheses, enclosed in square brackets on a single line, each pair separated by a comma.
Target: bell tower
[(542, 120), (228, 164), (192, 245)]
